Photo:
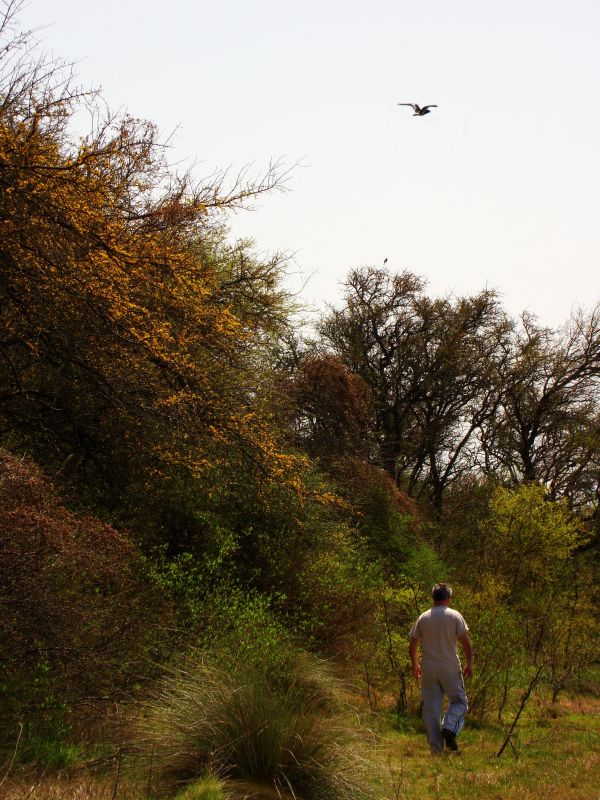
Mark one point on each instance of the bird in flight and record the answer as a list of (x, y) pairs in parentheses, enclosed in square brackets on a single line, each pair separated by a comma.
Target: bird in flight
[(419, 111)]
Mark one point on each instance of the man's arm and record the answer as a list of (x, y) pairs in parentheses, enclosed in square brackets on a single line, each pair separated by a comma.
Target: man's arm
[(468, 651), (414, 657)]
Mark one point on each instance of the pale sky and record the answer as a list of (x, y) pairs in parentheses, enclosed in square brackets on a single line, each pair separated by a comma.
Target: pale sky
[(498, 187)]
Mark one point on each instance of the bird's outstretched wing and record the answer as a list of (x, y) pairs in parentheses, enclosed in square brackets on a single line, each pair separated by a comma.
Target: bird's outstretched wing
[(412, 105), (430, 106)]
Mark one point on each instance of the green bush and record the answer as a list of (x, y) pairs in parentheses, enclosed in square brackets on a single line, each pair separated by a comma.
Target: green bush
[(497, 637), (218, 613), (287, 560)]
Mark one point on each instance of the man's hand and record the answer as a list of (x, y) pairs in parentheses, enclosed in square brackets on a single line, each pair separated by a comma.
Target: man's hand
[(413, 650), (468, 651)]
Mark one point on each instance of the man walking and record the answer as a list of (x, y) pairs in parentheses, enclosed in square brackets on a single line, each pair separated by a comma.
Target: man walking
[(439, 630)]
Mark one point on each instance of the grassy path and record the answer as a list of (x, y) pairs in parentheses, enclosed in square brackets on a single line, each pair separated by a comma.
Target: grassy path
[(559, 759)]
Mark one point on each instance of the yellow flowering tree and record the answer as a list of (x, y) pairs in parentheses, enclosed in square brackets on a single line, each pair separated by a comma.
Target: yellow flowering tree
[(131, 333)]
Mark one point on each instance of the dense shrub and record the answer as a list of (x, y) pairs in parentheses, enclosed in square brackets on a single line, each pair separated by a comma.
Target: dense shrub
[(74, 611), (252, 547), (385, 516)]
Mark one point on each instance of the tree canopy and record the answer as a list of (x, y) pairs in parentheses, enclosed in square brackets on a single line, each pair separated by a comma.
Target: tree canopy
[(129, 328)]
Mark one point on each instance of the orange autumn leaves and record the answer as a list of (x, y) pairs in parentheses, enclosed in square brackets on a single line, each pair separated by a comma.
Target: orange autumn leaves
[(116, 329)]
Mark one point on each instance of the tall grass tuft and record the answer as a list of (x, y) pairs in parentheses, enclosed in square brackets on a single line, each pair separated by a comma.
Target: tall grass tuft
[(289, 736)]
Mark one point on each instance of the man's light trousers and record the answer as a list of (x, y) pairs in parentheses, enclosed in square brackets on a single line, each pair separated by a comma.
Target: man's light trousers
[(437, 681)]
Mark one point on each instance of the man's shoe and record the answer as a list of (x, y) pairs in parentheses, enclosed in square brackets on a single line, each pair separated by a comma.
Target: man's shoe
[(450, 739)]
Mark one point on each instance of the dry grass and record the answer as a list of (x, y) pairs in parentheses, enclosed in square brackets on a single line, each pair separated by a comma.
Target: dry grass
[(62, 787)]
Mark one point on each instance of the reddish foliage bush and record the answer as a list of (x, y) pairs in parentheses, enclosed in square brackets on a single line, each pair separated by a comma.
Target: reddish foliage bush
[(385, 515), (332, 408), (73, 602)]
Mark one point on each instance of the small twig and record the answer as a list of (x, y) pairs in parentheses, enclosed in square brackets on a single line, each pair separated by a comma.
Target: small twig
[(119, 763), (401, 704), (526, 695), (396, 779), (369, 697), (150, 771), (14, 755)]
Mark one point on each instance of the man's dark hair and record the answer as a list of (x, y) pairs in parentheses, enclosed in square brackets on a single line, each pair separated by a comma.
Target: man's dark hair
[(441, 591)]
